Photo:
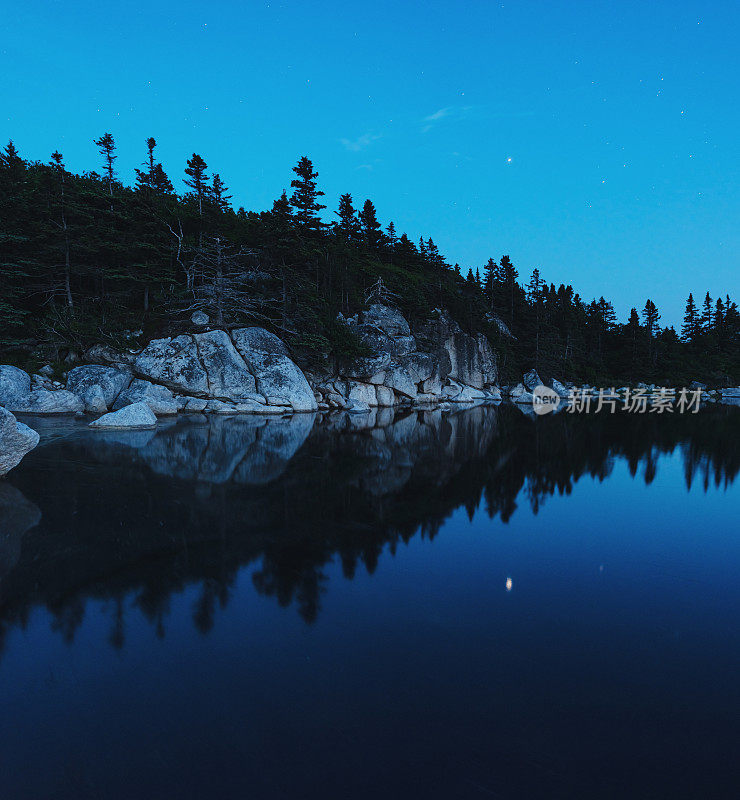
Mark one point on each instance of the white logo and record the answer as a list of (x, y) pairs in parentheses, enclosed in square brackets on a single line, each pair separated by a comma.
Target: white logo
[(544, 400)]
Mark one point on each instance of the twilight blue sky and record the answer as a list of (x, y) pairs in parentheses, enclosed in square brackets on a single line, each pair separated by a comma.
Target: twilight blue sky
[(595, 140)]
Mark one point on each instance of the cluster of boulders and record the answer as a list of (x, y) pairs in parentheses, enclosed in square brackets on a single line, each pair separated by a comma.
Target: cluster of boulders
[(432, 364), (436, 363), (246, 370), (523, 393)]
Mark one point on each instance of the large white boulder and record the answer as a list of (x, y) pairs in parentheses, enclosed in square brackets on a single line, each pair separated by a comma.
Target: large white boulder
[(174, 363), (15, 388), (532, 380), (276, 376), (159, 398), (137, 416), (229, 378), (111, 380), (520, 394), (43, 401), (401, 380), (363, 393), (385, 396), (16, 439), (389, 319)]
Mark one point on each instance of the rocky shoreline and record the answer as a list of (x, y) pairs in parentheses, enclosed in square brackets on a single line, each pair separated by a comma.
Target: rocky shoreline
[(435, 365)]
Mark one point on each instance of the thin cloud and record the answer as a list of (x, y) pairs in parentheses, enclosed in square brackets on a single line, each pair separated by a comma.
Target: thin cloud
[(443, 112), (448, 112), (361, 142)]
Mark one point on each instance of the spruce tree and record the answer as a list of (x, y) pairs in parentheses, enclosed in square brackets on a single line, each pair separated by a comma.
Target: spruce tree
[(218, 194), (706, 315), (348, 228), (197, 180), (509, 275), (690, 320), (107, 148), (370, 225), (305, 197)]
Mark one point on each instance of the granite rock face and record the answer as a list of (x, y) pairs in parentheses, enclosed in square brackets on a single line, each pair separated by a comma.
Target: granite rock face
[(532, 380), (422, 366), (94, 400), (15, 388), (44, 401), (520, 394), (250, 371), (159, 398), (111, 380), (229, 377), (16, 439), (277, 378), (175, 364)]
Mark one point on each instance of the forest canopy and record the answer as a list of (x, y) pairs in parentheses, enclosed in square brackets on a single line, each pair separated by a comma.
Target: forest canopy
[(86, 259)]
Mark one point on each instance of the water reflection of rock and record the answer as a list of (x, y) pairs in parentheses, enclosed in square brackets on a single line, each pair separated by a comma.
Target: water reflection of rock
[(136, 516), (243, 449), (17, 515)]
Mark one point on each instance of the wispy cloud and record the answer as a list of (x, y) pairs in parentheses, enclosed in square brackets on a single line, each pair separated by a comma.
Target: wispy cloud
[(448, 112), (440, 114), (361, 142)]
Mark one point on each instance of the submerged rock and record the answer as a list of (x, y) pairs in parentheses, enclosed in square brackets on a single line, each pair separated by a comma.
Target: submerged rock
[(16, 439), (136, 416)]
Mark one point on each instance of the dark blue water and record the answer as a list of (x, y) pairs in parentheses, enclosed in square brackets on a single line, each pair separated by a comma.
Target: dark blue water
[(482, 605)]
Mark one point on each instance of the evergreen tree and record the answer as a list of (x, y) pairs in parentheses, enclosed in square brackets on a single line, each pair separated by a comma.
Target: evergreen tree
[(370, 225), (509, 276), (391, 235), (690, 320), (349, 227), (145, 177), (706, 315), (197, 180), (305, 197), (218, 194), (107, 148), (490, 278), (651, 316)]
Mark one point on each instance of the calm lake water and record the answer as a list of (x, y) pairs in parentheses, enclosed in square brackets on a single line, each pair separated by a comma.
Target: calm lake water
[(475, 605)]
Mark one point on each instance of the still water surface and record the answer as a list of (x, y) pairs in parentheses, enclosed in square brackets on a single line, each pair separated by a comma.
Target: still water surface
[(476, 605)]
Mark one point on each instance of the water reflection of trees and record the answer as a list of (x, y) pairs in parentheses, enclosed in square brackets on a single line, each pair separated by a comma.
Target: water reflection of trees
[(135, 520)]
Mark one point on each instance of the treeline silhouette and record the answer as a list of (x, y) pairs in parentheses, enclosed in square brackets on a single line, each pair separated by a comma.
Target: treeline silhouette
[(135, 535), (85, 258)]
